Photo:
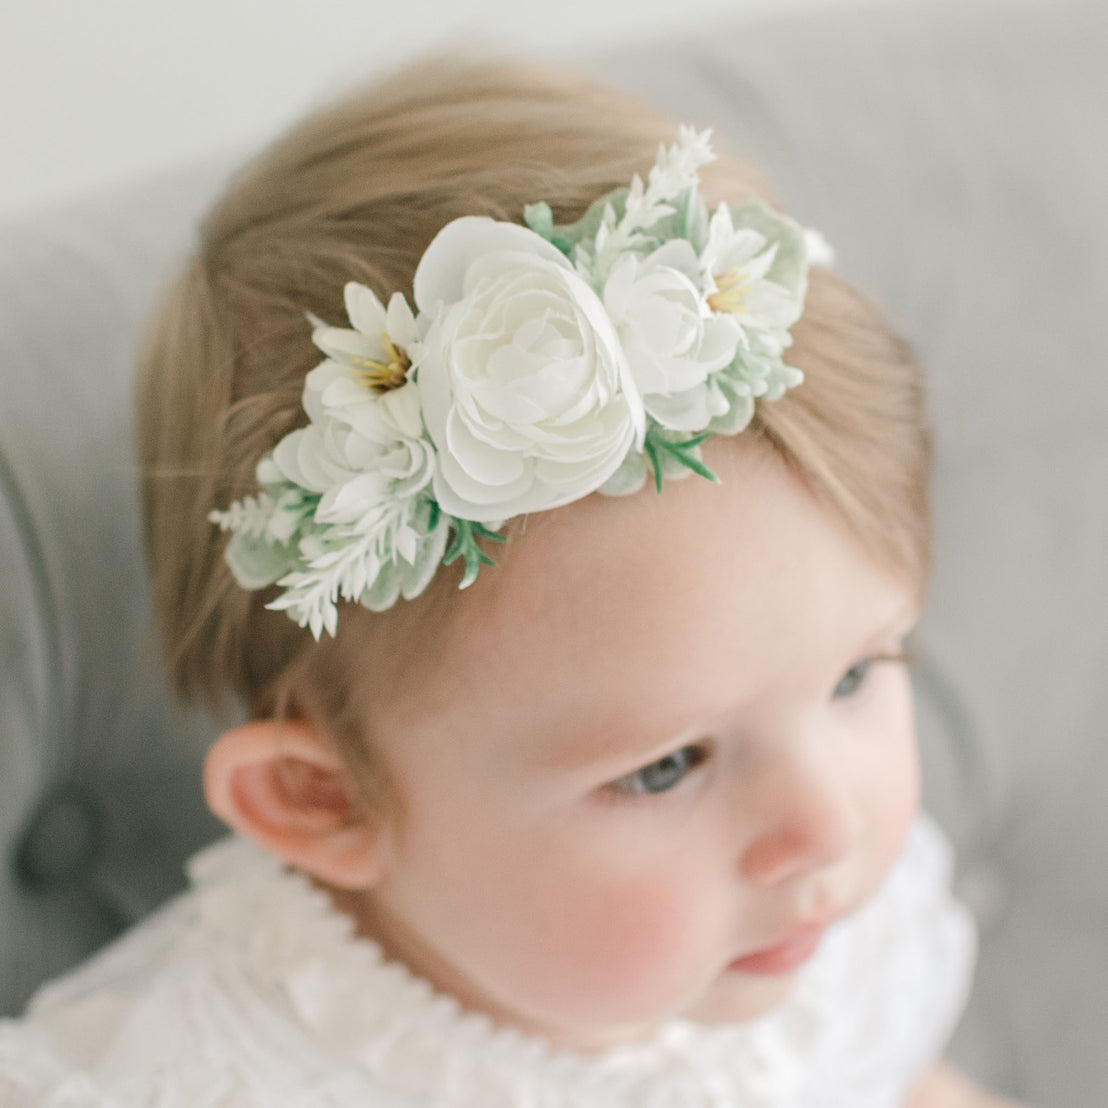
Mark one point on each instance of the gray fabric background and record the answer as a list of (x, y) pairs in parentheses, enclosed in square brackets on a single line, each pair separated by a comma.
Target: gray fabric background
[(956, 157)]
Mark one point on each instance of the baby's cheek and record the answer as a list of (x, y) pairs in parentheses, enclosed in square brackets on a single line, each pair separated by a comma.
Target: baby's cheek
[(889, 783), (896, 787), (624, 947)]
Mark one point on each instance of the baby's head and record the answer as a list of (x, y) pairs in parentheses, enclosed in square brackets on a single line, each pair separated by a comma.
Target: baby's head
[(632, 771)]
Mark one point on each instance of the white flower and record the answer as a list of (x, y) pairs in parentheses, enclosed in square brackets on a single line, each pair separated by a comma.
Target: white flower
[(366, 455), (362, 448), (757, 262), (377, 350), (526, 391), (672, 339)]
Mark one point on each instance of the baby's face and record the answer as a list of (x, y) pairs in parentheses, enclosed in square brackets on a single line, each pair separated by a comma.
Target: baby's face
[(670, 743)]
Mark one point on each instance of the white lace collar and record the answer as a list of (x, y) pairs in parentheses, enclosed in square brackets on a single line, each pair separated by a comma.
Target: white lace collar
[(376, 1015)]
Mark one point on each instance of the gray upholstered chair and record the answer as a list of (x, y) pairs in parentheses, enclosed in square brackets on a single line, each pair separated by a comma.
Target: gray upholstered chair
[(956, 157)]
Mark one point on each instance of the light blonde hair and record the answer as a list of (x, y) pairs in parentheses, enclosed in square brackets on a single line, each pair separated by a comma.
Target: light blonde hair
[(356, 192)]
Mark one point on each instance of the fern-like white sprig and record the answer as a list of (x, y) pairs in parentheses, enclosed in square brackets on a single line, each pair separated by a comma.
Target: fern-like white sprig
[(343, 564), (675, 173)]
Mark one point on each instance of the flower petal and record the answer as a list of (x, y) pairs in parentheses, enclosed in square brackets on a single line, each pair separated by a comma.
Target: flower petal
[(440, 275), (365, 312)]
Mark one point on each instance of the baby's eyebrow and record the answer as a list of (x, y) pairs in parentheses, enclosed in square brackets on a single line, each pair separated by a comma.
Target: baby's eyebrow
[(903, 623), (614, 742), (575, 749)]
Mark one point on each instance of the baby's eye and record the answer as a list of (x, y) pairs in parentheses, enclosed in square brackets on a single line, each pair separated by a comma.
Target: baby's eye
[(853, 679), (660, 776), (856, 676)]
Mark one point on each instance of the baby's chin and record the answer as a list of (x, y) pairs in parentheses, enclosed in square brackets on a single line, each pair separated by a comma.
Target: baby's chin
[(731, 998), (735, 997)]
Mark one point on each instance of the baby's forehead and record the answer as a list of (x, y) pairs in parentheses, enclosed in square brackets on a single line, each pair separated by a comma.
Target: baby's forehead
[(655, 603), (650, 547)]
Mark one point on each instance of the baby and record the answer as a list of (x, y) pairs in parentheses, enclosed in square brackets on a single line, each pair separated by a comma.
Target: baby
[(630, 818)]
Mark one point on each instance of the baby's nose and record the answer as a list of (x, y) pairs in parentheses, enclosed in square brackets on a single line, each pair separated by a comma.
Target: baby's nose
[(810, 821)]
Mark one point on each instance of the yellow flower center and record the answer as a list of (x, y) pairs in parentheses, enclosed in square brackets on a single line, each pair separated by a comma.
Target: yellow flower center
[(387, 375), (730, 294)]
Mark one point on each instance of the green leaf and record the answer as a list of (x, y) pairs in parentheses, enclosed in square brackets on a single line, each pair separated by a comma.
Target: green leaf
[(540, 219), (658, 447), (563, 244), (485, 533), (465, 546), (651, 449)]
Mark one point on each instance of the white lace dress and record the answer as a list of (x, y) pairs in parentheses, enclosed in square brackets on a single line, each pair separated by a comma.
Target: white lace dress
[(250, 991)]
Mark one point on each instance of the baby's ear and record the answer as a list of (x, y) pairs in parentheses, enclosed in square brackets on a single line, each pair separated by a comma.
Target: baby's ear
[(282, 784)]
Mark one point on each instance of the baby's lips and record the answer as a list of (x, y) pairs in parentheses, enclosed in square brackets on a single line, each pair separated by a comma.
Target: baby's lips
[(789, 954)]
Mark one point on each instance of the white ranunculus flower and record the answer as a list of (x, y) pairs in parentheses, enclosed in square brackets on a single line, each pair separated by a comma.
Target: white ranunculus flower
[(526, 391), (672, 339)]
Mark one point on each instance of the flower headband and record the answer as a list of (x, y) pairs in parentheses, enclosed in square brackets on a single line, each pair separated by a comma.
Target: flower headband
[(543, 363)]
